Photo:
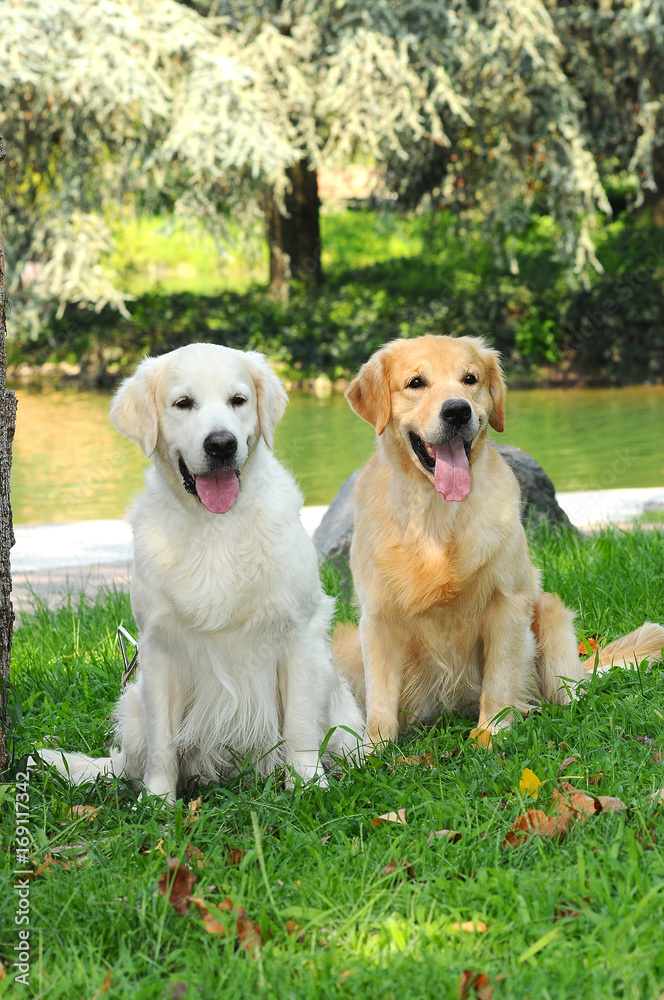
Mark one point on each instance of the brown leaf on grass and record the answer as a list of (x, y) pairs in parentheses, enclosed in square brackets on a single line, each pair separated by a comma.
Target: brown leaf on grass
[(470, 926), (399, 868), (249, 935), (564, 911), (392, 817), (452, 835), (82, 812), (610, 803), (212, 924), (178, 991), (194, 814), (48, 862), (524, 826), (567, 798), (566, 763), (475, 984), (234, 855), (657, 758), (658, 796), (426, 758), (176, 884), (596, 778), (293, 929), (106, 985), (3, 971), (195, 856)]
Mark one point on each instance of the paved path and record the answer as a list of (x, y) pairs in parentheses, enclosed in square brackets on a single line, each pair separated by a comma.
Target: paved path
[(51, 560)]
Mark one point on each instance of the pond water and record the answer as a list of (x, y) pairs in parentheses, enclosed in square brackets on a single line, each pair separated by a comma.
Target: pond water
[(70, 464)]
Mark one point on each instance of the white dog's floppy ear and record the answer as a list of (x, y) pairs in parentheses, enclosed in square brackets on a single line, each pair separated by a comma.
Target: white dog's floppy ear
[(369, 392), (497, 387), (270, 393), (134, 406)]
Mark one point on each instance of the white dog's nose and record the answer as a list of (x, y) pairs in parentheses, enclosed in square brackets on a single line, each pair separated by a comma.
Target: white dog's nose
[(221, 445)]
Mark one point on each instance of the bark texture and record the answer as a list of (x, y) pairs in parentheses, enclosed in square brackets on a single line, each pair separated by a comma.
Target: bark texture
[(294, 235), (7, 425)]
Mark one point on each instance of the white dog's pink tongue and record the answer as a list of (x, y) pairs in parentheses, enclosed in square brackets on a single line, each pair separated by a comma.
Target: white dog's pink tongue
[(452, 475), (218, 491)]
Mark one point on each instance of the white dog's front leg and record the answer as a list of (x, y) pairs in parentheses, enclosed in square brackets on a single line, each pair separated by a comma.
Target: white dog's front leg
[(305, 676), (163, 700)]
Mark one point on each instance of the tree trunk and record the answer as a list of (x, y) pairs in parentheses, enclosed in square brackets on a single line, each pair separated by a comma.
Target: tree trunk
[(7, 424), (653, 201), (294, 236)]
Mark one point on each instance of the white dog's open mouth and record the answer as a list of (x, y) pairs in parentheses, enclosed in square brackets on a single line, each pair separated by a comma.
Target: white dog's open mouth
[(217, 490), (449, 464)]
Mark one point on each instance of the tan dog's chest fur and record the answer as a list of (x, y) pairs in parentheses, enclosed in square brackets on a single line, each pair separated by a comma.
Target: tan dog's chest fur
[(447, 592)]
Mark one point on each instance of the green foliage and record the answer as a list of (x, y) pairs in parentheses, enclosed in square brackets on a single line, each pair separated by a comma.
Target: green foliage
[(581, 917), (496, 110), (390, 276)]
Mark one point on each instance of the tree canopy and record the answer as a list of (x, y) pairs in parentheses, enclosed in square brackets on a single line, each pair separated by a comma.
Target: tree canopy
[(491, 107)]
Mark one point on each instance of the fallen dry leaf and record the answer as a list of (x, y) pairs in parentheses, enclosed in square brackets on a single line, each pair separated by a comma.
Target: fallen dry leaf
[(524, 826), (3, 971), (399, 868), (392, 817), (249, 935), (529, 783), (481, 738), (475, 984), (471, 926), (293, 929), (195, 856), (564, 911), (178, 991), (596, 778), (658, 796), (567, 798), (82, 812), (452, 835), (610, 803), (106, 985), (212, 924), (566, 763), (176, 885), (234, 855), (426, 758), (194, 814)]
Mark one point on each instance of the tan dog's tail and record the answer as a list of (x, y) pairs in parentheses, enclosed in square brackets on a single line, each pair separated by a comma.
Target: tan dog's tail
[(347, 652), (645, 643)]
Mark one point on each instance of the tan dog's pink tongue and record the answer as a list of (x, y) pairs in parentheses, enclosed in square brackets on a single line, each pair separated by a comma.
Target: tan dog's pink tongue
[(452, 475), (218, 491)]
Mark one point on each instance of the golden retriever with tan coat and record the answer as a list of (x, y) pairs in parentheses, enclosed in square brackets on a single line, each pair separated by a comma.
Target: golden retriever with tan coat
[(453, 616)]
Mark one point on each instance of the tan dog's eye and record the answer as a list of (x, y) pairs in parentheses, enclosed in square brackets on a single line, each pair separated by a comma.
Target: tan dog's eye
[(470, 379), (184, 403), (417, 382)]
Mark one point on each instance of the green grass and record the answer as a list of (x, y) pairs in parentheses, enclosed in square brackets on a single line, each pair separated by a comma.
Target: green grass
[(314, 857)]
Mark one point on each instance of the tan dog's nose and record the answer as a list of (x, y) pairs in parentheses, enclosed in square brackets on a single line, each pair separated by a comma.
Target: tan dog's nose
[(456, 412)]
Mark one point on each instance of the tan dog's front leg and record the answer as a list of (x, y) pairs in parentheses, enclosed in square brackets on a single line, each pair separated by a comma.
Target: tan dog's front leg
[(384, 651), (510, 674)]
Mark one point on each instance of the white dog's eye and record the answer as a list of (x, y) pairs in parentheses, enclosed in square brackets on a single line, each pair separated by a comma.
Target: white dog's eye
[(184, 403), (238, 400), (470, 378)]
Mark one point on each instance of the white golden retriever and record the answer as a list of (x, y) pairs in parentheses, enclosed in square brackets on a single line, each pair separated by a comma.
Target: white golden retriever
[(233, 623)]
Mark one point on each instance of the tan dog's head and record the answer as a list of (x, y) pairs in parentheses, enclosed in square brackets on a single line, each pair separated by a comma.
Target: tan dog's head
[(436, 395), (201, 410)]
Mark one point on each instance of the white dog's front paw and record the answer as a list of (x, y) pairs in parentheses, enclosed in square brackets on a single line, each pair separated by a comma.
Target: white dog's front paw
[(160, 787), (309, 768)]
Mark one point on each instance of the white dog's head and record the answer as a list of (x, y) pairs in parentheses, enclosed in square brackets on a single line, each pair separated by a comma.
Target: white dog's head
[(201, 409)]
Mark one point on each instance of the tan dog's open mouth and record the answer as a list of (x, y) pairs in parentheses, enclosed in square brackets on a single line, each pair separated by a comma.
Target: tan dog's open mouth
[(449, 463)]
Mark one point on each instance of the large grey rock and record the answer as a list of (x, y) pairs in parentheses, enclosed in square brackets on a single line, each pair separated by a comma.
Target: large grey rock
[(538, 496)]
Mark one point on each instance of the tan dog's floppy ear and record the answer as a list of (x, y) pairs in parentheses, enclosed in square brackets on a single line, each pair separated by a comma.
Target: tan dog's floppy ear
[(134, 406), (270, 393), (497, 388), (369, 392)]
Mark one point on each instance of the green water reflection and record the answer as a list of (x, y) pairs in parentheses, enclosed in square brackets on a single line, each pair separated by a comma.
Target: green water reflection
[(70, 464)]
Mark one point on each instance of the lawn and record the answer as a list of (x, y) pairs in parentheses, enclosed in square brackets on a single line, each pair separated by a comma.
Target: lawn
[(309, 897)]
